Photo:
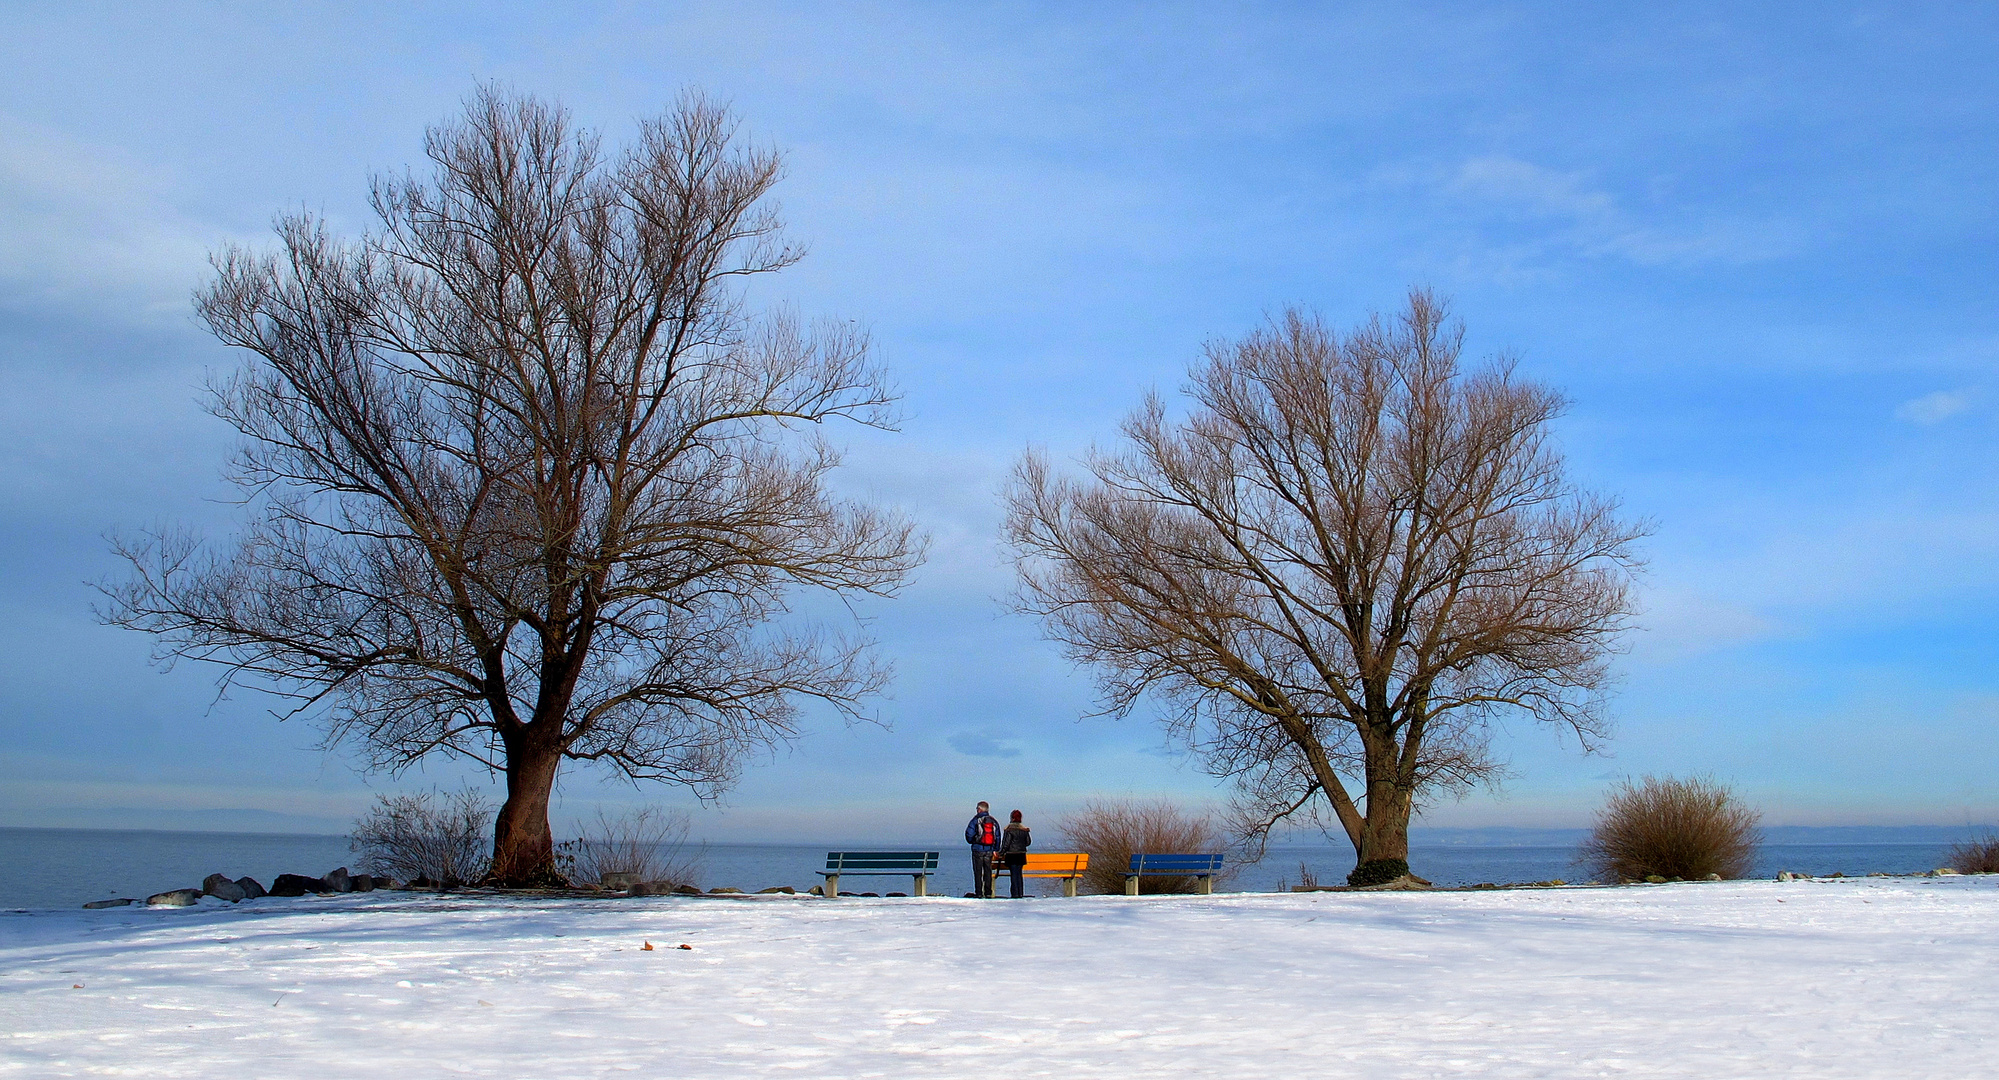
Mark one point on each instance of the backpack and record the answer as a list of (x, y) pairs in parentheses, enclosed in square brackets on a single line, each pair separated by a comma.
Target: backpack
[(986, 836)]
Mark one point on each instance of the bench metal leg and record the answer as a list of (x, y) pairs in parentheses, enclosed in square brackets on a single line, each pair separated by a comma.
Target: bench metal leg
[(1131, 884), (1207, 885), (922, 886), (832, 886), (1068, 886)]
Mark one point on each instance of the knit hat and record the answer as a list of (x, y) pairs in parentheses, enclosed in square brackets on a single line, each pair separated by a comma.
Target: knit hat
[(1016, 815)]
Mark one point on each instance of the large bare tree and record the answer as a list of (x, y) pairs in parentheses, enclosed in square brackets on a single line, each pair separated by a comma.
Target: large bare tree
[(1351, 556), (527, 480)]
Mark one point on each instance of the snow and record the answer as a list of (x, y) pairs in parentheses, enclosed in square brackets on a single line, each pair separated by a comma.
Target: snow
[(1862, 978)]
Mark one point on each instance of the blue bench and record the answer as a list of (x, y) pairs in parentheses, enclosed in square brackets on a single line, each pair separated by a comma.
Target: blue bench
[(919, 865), (1203, 867)]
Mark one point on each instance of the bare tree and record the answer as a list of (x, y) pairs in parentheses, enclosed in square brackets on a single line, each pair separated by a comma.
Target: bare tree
[(527, 480), (1349, 558)]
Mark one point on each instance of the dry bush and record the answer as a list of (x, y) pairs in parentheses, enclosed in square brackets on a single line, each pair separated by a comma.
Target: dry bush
[(1661, 826), (429, 836), (1974, 856), (650, 843), (1112, 830)]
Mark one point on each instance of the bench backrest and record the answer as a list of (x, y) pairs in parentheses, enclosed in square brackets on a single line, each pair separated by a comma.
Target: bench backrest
[(885, 862), (1148, 863), (1057, 863)]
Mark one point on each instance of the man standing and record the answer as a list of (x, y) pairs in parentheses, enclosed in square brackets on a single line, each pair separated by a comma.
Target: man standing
[(982, 832)]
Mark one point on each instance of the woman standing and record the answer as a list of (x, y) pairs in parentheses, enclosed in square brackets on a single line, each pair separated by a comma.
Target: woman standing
[(1013, 850)]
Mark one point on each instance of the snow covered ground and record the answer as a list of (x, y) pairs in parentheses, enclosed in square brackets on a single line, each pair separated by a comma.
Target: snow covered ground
[(1860, 978)]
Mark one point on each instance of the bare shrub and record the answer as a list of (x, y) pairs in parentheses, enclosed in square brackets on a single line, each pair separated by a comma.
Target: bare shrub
[(1974, 856), (429, 836), (1671, 828), (649, 843), (1112, 830)]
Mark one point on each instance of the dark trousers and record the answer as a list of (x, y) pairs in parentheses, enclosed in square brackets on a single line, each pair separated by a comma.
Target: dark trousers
[(982, 873), (1018, 890)]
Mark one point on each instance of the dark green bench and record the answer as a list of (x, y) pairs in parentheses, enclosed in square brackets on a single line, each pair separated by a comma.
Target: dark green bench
[(919, 865), (1203, 867)]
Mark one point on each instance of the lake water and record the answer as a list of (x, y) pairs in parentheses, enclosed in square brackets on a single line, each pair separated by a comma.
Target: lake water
[(61, 868)]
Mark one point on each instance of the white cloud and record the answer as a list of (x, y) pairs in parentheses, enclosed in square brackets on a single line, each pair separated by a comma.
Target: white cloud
[(1581, 218), (1935, 408), (91, 227)]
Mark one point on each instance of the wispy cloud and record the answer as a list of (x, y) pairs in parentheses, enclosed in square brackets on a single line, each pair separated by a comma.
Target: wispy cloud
[(1936, 408), (973, 744), (1551, 211)]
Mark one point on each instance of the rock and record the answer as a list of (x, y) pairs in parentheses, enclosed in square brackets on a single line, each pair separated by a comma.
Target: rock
[(386, 882), (175, 898), (96, 904), (1655, 879), (223, 889), (338, 880), (297, 885), (894, 894), (1785, 875), (644, 888), (590, 886), (364, 883), (686, 890), (816, 890), (251, 890), (1944, 871), (785, 889), (618, 880), (722, 890), (1712, 877)]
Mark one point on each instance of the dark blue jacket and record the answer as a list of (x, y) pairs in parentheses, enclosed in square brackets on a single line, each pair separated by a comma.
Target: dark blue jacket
[(973, 828)]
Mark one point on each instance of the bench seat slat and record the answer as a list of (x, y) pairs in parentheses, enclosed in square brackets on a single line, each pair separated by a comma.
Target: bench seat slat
[(1174, 863)]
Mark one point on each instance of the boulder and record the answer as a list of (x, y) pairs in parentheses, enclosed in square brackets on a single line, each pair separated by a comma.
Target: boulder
[(1785, 875), (618, 879), (386, 882), (723, 889), (338, 880), (1712, 877), (785, 889), (1945, 871), (175, 898), (96, 904), (686, 890), (364, 883), (644, 888), (297, 885), (820, 890), (222, 888), (251, 890)]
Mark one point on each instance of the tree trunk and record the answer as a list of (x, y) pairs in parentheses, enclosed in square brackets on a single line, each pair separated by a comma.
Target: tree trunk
[(1385, 835), (523, 846)]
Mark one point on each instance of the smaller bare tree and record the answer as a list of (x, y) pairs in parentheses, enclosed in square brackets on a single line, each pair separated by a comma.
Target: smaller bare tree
[(1664, 827), (649, 843), (426, 837), (1111, 831), (1350, 556)]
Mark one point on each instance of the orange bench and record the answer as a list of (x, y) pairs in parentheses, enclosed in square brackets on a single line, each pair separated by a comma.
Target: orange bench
[(1067, 866)]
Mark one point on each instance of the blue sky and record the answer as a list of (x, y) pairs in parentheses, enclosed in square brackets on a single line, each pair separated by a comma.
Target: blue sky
[(1756, 248)]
